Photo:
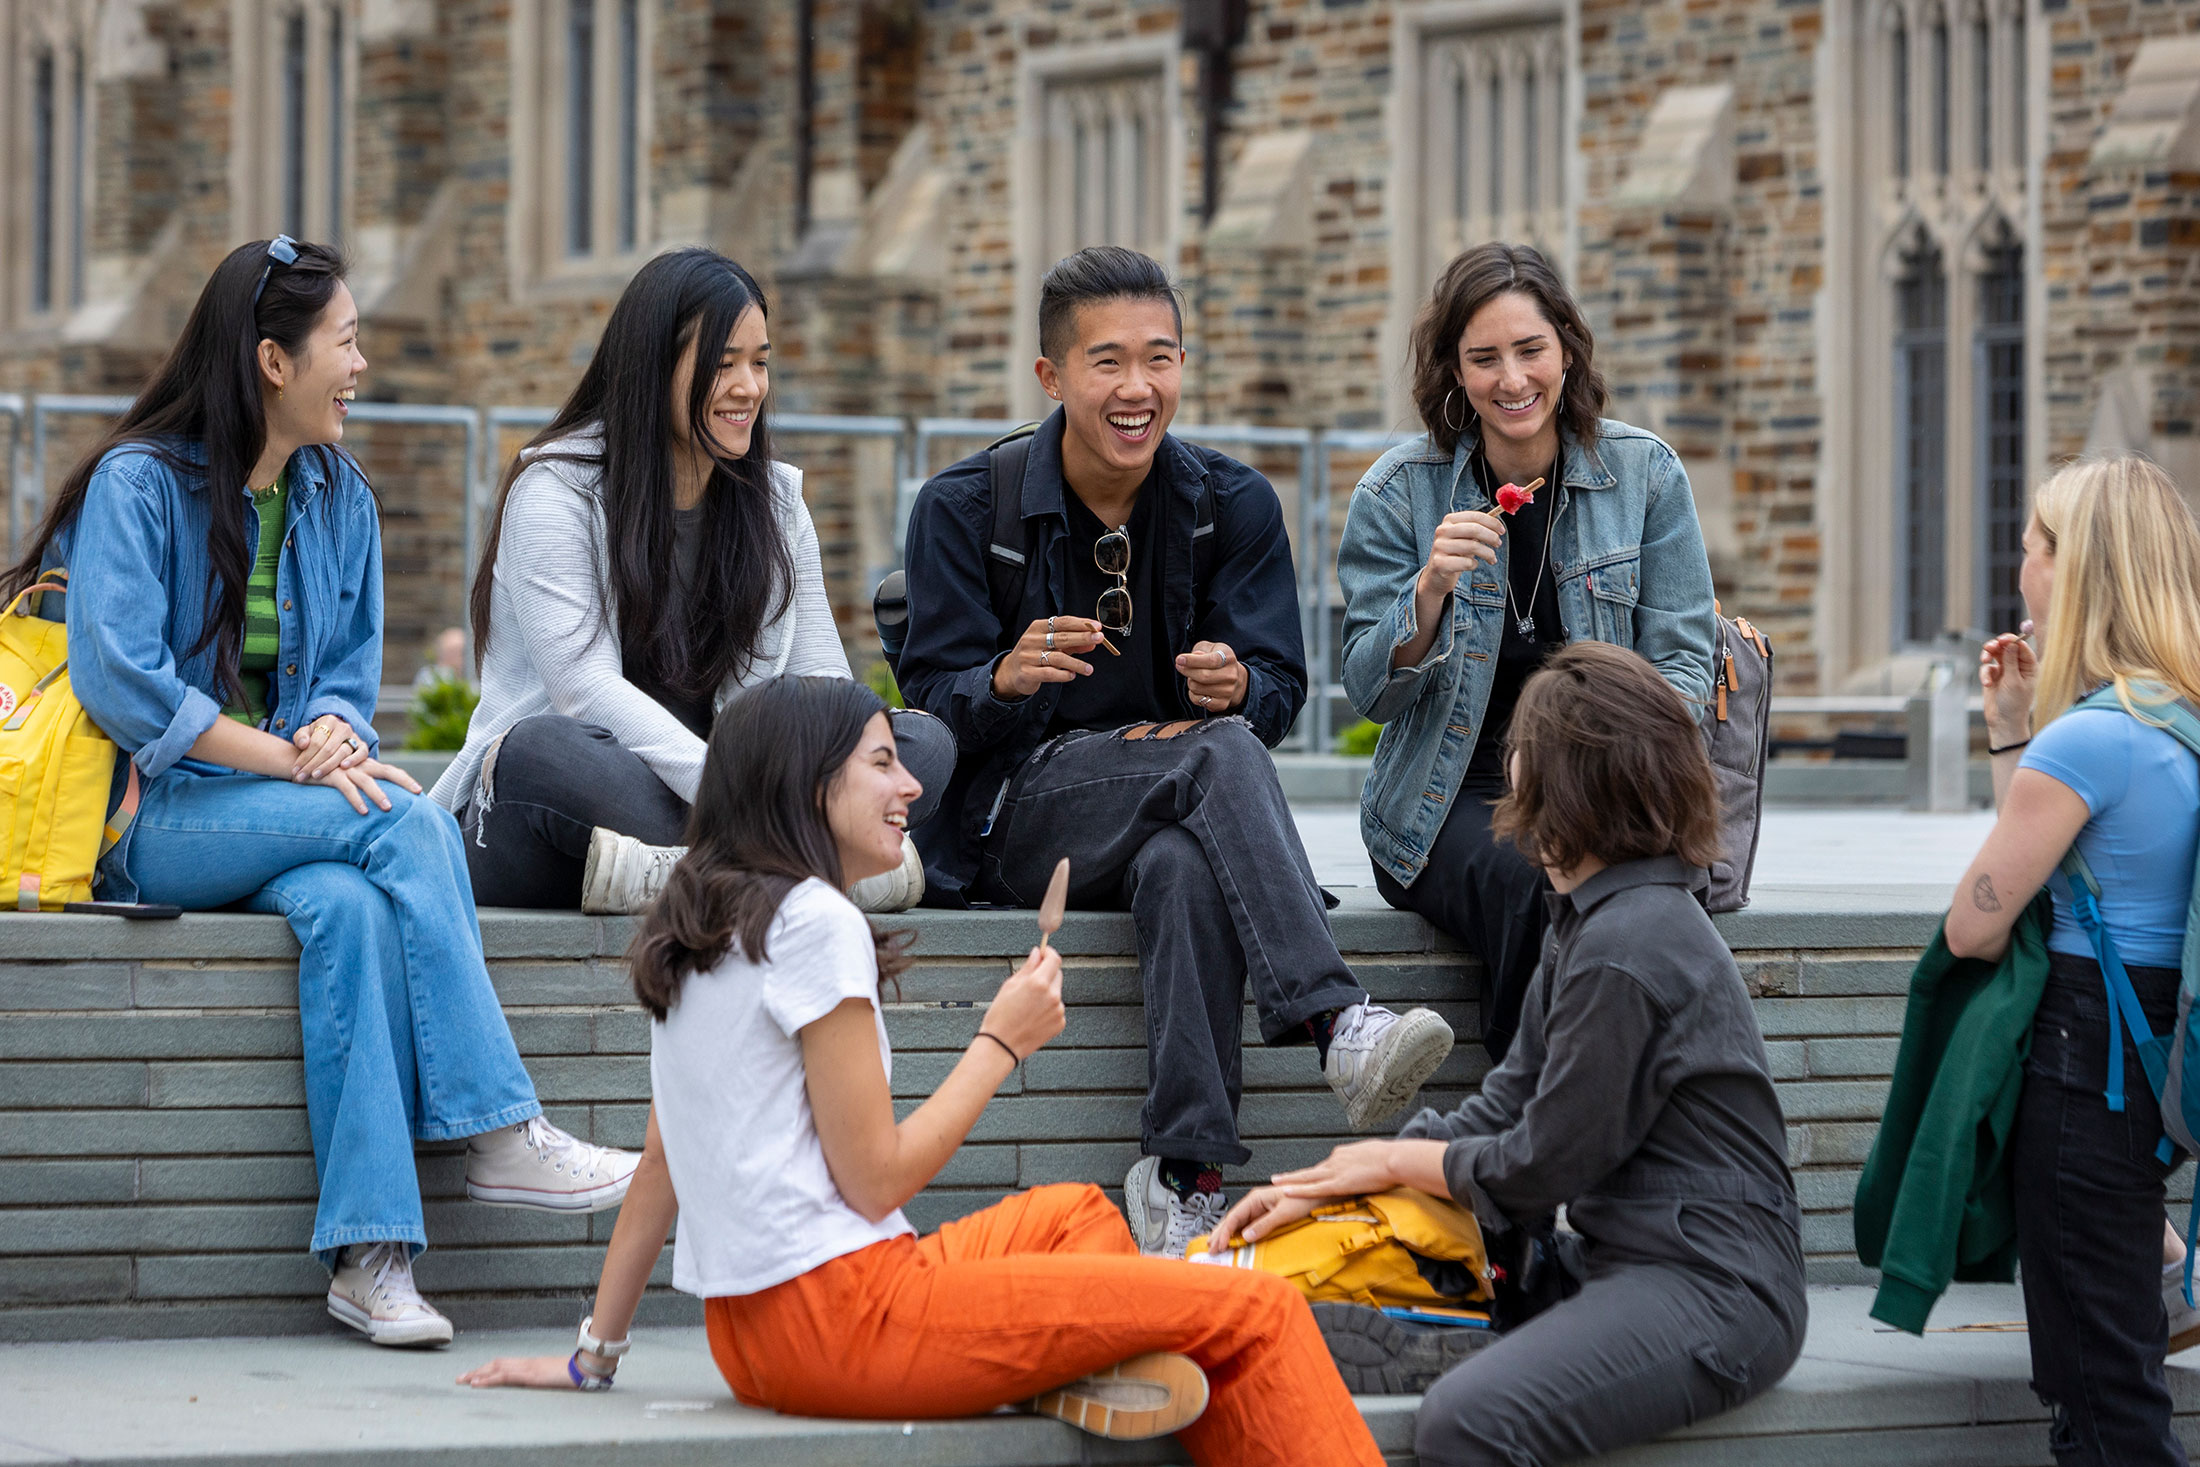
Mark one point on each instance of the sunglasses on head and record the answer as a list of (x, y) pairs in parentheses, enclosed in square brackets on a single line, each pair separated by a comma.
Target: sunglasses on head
[(1112, 554), (281, 250)]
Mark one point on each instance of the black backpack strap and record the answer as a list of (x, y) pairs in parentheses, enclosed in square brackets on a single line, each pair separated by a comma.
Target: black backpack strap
[(1007, 554)]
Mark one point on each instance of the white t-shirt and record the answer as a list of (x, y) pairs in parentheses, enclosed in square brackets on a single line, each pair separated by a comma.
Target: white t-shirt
[(757, 1202)]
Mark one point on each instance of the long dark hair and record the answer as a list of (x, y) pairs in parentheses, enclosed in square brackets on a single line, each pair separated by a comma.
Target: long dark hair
[(1469, 283), (686, 300), (205, 399), (757, 831)]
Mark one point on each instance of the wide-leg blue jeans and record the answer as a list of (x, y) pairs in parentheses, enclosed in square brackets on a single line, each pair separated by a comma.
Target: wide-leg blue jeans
[(404, 1038)]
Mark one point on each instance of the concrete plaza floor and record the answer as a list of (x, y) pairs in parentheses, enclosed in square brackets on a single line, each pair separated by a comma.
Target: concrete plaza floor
[(1860, 1393), (1846, 846)]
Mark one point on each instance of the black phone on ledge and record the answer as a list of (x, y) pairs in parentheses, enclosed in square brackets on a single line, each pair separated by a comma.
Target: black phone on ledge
[(135, 911)]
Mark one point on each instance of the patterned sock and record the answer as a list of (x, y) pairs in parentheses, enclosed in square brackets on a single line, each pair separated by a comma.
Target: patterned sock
[(1324, 1028), (1186, 1177)]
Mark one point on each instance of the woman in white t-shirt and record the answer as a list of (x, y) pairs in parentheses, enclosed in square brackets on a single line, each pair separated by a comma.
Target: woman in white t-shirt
[(773, 1118)]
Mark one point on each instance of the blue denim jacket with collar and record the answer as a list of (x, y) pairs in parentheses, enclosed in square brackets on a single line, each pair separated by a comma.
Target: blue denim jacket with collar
[(1629, 560), (136, 554)]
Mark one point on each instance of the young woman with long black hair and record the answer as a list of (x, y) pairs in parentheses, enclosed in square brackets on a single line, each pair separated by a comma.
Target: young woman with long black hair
[(647, 559), (225, 630), (774, 1124)]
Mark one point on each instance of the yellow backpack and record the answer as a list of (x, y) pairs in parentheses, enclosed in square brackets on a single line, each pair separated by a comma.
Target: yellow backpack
[(1361, 1250), (56, 767)]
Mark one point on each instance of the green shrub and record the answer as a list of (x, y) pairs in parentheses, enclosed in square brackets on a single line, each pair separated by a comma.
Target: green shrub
[(879, 678), (439, 714), (1358, 741)]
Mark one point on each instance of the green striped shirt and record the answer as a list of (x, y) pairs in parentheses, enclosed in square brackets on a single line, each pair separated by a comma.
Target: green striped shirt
[(262, 633)]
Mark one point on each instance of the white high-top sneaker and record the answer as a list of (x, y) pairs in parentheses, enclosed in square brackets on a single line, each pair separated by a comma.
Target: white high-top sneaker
[(373, 1292), (623, 876), (534, 1164), (893, 891), (1378, 1059)]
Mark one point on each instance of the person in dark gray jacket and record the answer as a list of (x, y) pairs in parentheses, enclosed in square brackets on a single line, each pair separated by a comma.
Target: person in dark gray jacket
[(1637, 1096)]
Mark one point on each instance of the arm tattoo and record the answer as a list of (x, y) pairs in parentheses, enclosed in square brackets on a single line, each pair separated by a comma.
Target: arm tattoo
[(1982, 895)]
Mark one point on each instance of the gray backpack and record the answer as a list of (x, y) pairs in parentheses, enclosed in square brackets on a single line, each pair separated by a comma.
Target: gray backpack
[(1738, 735)]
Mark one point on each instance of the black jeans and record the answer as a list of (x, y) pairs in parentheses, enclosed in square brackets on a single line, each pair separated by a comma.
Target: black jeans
[(1193, 836), (1487, 896), (557, 779), (2089, 1225)]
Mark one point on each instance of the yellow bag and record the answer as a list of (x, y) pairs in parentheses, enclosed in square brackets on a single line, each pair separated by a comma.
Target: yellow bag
[(1360, 1250), (56, 767)]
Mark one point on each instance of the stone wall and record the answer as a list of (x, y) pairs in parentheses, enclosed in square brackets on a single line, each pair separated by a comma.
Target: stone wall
[(888, 237)]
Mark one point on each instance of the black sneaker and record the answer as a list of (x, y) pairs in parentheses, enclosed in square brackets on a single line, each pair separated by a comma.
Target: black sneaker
[(1381, 1356)]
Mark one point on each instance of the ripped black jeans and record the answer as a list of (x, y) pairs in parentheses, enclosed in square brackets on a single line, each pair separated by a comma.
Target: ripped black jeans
[(2089, 1225), (1187, 828)]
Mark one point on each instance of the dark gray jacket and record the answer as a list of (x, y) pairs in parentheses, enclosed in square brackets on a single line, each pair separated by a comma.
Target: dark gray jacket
[(1637, 1094)]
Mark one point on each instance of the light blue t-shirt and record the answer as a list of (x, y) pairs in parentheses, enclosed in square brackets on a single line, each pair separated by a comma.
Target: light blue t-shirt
[(2143, 789)]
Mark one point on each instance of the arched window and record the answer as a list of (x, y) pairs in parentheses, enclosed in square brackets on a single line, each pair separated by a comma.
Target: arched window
[(57, 129), (292, 75), (1999, 374), (1920, 374)]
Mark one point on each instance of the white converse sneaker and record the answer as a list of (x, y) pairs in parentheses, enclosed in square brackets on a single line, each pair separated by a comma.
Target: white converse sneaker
[(624, 876), (893, 891), (2184, 1320), (534, 1164), (373, 1293), (1163, 1223), (1378, 1060)]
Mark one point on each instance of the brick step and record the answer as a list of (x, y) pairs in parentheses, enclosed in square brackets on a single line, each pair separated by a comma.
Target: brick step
[(156, 1174)]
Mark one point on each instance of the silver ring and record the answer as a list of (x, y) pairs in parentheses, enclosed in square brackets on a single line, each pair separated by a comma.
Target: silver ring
[(1050, 641), (351, 743), (1050, 626), (1043, 656), (1200, 699)]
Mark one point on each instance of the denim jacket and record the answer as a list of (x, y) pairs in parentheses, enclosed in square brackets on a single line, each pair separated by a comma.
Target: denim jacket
[(136, 554), (1629, 559), (1249, 602)]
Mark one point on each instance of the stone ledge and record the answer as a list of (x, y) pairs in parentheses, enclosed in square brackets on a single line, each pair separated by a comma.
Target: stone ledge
[(1859, 1394), (1791, 917)]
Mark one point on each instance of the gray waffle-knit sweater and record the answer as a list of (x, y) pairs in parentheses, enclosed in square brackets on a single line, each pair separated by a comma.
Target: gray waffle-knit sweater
[(551, 650)]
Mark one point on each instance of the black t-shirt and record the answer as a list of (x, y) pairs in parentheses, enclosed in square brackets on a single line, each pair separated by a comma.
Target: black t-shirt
[(693, 711), (1140, 685), (1533, 595)]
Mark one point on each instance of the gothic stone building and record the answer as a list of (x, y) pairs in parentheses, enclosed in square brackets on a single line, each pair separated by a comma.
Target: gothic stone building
[(1870, 265)]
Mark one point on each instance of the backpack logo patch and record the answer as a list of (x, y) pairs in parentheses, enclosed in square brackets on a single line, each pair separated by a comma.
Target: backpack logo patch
[(7, 700)]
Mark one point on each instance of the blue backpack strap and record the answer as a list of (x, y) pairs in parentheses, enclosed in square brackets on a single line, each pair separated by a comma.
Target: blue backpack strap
[(2123, 1000)]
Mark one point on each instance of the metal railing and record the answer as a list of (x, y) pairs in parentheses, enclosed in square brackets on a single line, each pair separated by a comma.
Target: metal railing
[(914, 441)]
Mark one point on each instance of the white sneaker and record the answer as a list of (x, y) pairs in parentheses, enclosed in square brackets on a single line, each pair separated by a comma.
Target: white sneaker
[(2184, 1320), (1378, 1060), (624, 876), (534, 1164), (1163, 1223), (893, 891), (373, 1293)]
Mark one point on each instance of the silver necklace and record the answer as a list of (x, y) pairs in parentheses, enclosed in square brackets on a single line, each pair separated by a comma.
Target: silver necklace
[(1525, 620)]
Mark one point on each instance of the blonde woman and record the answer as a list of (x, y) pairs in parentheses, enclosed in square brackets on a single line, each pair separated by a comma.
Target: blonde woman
[(2111, 580)]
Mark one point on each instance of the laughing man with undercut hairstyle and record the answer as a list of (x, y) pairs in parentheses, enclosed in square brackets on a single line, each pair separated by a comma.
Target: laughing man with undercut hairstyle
[(1113, 693)]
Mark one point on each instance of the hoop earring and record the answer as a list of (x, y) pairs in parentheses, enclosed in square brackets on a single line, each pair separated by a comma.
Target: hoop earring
[(1456, 428)]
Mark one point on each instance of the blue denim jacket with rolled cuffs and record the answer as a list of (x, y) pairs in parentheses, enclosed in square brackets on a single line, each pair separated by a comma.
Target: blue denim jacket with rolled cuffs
[(1628, 557), (1247, 600), (136, 554)]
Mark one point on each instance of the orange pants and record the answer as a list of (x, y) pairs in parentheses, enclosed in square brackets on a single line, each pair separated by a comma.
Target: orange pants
[(1029, 1294)]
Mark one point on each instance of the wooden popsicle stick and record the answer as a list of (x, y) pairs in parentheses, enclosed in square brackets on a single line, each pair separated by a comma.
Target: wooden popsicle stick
[(1057, 902)]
